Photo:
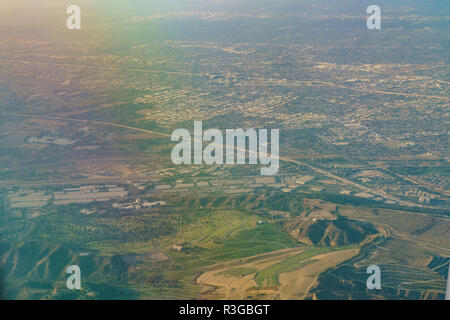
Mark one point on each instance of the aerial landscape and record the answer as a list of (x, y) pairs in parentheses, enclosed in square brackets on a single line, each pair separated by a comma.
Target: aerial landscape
[(360, 178)]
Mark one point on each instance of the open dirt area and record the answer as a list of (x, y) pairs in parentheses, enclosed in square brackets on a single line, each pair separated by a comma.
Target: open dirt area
[(238, 281), (296, 284)]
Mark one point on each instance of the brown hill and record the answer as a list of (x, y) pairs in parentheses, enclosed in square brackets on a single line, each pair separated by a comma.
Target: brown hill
[(324, 232), (48, 261)]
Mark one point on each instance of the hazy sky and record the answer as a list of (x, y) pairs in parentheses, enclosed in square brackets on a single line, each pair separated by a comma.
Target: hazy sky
[(52, 13), (25, 12)]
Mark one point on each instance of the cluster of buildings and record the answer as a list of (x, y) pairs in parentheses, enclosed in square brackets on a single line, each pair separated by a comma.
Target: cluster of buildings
[(138, 204)]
